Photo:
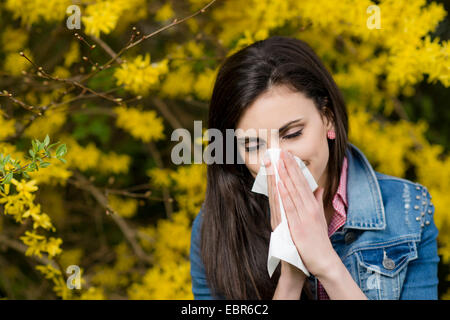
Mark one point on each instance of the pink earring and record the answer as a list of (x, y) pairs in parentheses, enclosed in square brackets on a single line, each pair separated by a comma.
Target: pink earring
[(331, 135)]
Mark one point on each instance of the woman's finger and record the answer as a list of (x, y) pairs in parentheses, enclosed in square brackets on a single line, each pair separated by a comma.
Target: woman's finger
[(290, 186), (271, 194), (297, 175), (292, 217), (276, 203)]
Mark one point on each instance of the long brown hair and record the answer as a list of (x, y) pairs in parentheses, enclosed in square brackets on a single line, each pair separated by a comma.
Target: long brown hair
[(236, 228)]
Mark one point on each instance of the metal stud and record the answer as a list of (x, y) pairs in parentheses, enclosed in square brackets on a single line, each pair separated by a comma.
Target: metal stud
[(421, 225), (417, 218), (407, 206), (417, 188), (416, 207), (417, 197), (427, 222), (424, 202), (430, 211), (422, 214), (388, 263)]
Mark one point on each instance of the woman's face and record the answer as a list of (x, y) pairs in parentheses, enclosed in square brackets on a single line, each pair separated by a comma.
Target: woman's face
[(281, 118)]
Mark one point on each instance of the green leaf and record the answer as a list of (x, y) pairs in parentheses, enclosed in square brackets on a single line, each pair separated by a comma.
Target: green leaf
[(31, 153), (62, 160), (46, 140), (8, 178), (33, 142), (61, 151), (32, 167), (45, 164), (52, 145), (40, 145)]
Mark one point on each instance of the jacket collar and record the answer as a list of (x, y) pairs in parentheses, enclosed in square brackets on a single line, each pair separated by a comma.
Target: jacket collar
[(365, 204)]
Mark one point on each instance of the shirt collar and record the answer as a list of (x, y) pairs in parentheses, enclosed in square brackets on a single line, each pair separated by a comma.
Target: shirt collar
[(342, 188), (365, 204)]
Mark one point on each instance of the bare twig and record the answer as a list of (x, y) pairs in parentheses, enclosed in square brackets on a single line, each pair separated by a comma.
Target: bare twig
[(125, 193), (77, 81), (162, 107), (83, 183), (131, 44), (20, 103), (107, 48)]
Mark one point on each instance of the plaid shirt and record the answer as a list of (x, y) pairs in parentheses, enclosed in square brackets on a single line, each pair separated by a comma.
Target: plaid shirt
[(340, 214)]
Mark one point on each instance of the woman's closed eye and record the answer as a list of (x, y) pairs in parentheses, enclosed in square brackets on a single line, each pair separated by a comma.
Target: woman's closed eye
[(289, 136), (293, 135)]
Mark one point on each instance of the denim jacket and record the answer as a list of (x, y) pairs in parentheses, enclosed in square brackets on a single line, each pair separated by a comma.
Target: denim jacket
[(388, 242)]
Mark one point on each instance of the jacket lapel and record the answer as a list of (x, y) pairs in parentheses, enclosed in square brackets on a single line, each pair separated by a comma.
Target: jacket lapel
[(365, 204)]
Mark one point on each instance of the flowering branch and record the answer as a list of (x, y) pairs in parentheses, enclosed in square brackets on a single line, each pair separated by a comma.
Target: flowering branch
[(16, 245)]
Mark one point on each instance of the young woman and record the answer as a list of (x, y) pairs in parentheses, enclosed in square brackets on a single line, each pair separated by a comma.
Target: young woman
[(361, 235)]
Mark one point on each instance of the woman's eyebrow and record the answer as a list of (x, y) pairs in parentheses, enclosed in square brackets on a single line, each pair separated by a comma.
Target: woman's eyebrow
[(285, 126)]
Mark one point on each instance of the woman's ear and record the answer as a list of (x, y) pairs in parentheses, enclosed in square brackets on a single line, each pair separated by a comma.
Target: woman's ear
[(327, 118)]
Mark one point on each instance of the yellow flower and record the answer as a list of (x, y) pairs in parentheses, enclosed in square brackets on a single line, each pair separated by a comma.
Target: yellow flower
[(93, 293), (101, 16), (165, 12), (15, 64), (159, 177), (33, 11), (43, 221), (52, 247), (36, 243), (125, 207), (204, 83), (139, 76), (8, 127), (61, 72), (179, 83), (49, 271), (51, 122), (7, 187), (40, 219), (73, 55), (71, 256), (144, 125), (24, 187), (13, 40), (114, 163)]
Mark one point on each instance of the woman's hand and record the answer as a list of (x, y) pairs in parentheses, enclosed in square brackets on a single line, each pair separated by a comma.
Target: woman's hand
[(309, 231), (288, 271), (305, 216)]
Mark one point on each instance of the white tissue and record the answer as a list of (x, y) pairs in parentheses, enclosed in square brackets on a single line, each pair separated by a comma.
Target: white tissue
[(281, 246)]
